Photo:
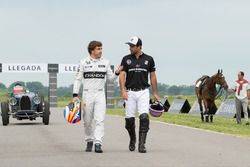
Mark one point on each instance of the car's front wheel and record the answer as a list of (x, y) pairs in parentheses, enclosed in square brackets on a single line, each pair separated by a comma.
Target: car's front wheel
[(5, 113), (46, 113)]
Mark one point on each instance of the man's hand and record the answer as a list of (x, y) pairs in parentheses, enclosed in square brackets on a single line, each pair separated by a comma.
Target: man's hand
[(248, 95), (124, 95), (230, 90), (83, 102), (118, 70), (76, 98), (157, 97)]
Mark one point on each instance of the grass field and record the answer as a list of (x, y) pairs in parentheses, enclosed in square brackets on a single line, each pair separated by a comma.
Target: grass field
[(62, 101), (221, 124), (3, 96)]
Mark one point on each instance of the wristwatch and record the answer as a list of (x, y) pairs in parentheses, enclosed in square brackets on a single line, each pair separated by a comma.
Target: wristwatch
[(117, 73)]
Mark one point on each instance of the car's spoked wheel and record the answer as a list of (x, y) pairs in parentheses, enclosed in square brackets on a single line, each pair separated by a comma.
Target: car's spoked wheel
[(46, 113), (40, 105), (5, 113)]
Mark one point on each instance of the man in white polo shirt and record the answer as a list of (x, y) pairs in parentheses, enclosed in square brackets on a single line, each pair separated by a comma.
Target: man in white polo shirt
[(242, 93)]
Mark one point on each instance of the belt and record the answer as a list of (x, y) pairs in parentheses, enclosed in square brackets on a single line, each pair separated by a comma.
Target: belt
[(94, 90), (136, 89)]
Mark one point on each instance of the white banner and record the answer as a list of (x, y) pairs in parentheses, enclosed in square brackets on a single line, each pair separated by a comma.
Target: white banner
[(25, 68), (68, 68)]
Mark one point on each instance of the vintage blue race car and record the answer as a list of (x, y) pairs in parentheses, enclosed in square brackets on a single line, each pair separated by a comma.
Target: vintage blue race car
[(25, 105)]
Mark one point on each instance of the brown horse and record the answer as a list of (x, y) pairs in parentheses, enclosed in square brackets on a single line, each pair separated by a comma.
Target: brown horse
[(205, 89)]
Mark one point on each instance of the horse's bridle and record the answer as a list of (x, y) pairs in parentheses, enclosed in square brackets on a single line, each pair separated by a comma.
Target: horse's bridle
[(219, 92)]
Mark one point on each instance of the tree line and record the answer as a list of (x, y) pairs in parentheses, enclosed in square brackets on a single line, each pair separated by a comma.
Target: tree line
[(66, 91)]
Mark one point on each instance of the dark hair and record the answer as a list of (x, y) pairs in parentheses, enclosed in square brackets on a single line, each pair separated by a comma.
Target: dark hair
[(139, 42), (242, 73), (93, 45)]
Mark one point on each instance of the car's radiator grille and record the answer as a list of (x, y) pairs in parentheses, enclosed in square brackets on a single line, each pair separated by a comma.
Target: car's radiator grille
[(25, 103)]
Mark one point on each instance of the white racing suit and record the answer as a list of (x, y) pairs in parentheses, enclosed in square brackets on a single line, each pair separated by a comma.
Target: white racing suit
[(92, 73)]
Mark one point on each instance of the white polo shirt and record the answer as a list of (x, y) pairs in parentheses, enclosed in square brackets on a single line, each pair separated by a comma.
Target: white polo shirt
[(242, 93)]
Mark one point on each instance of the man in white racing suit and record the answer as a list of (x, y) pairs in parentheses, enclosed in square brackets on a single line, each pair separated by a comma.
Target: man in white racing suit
[(92, 73)]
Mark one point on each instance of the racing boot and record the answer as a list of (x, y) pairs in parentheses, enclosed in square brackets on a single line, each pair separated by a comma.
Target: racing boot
[(98, 148), (130, 126), (143, 130), (89, 146)]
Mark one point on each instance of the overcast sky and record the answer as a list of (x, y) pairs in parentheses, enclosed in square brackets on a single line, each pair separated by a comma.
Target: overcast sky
[(187, 38)]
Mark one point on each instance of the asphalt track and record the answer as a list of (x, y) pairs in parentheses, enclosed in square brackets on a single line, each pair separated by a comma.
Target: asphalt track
[(32, 144)]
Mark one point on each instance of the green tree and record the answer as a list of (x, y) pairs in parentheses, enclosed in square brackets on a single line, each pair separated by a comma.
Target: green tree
[(174, 90), (2, 86), (10, 88), (37, 87), (67, 91)]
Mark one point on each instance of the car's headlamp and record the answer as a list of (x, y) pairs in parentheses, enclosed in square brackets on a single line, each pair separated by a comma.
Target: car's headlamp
[(12, 101), (37, 100)]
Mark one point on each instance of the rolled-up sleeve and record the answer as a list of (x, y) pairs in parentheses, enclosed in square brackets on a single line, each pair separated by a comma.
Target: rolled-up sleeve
[(152, 65), (124, 64)]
